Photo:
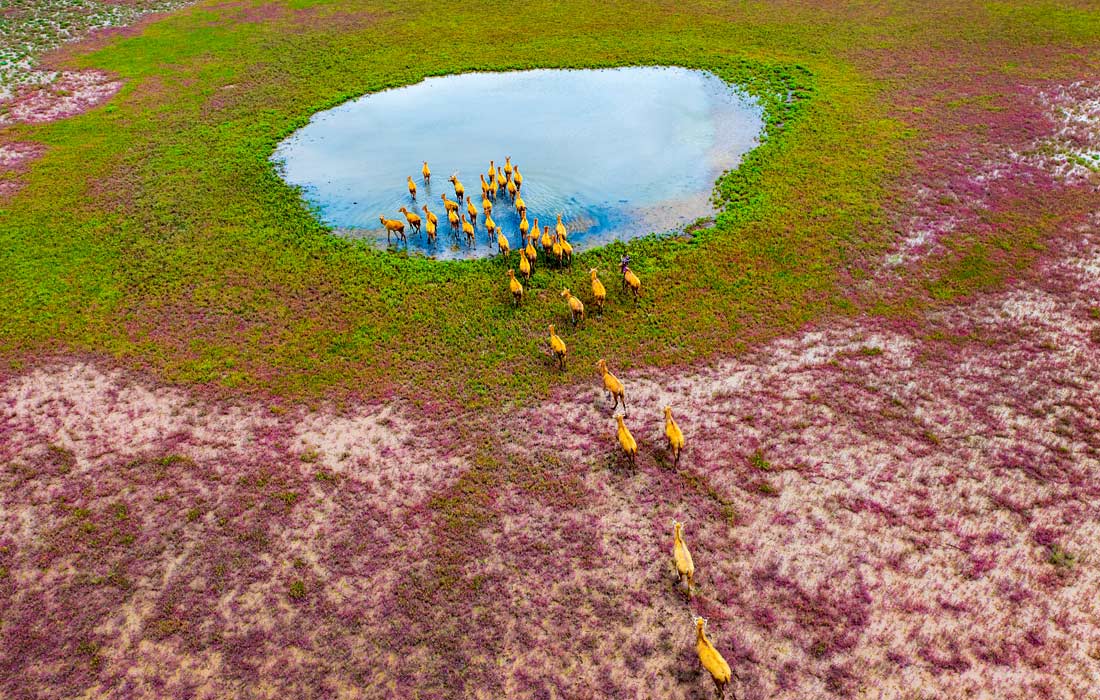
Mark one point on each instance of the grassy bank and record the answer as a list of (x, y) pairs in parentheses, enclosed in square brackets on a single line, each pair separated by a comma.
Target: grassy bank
[(156, 231)]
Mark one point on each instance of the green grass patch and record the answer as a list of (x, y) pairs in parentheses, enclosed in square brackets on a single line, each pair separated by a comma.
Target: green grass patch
[(156, 231)]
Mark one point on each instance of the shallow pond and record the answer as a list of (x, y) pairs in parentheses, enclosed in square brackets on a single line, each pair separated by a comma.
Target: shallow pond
[(620, 152)]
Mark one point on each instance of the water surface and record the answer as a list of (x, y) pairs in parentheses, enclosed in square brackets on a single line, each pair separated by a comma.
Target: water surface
[(620, 152)]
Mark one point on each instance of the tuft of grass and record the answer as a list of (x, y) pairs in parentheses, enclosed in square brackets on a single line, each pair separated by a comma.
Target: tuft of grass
[(756, 459), (90, 651), (288, 497), (765, 488), (326, 476), (974, 271), (166, 626), (297, 590), (1060, 558)]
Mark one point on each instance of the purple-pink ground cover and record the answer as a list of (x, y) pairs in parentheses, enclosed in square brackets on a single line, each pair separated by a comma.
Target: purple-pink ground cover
[(15, 157), (905, 499), (154, 543), (68, 94), (1004, 143), (908, 510)]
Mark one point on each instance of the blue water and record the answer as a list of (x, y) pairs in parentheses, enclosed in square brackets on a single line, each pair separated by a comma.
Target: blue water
[(621, 152)]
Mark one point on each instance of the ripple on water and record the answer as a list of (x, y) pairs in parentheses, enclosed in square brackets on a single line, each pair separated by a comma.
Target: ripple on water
[(619, 152)]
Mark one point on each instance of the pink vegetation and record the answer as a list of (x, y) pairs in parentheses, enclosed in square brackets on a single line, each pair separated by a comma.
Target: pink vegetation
[(159, 544), (15, 156), (903, 498), (292, 19), (909, 508), (999, 147), (18, 154), (71, 93)]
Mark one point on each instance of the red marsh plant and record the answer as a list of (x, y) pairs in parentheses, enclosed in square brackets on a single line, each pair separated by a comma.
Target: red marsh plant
[(930, 524)]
